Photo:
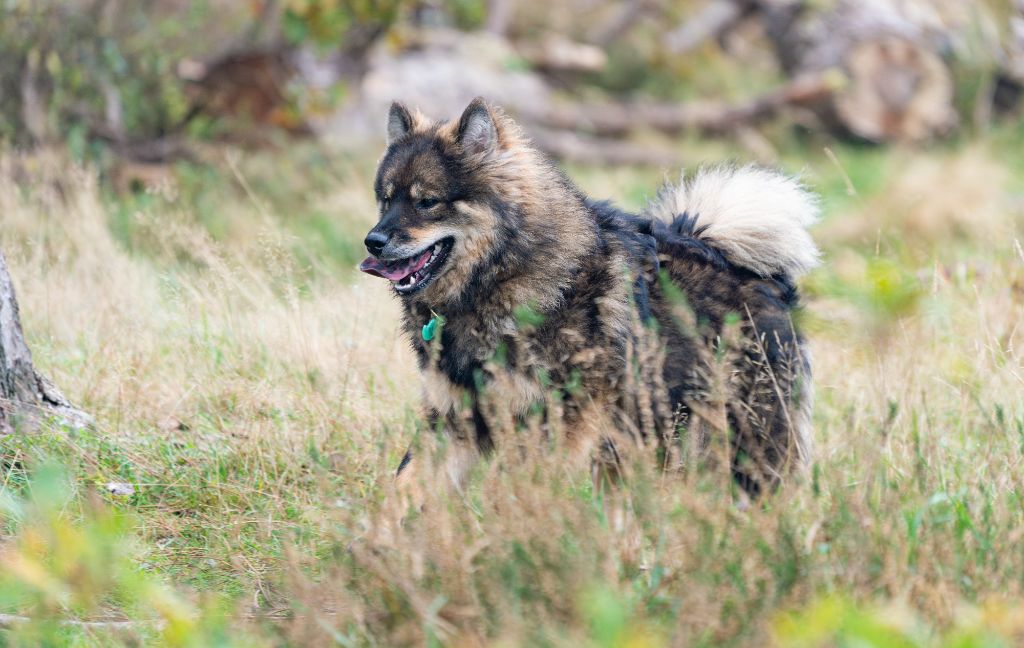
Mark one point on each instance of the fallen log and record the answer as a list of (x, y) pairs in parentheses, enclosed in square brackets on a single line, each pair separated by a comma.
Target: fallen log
[(618, 119), (898, 85), (1009, 84), (574, 147)]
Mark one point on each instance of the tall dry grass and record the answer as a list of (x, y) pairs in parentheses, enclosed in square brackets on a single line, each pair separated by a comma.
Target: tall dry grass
[(182, 323), (259, 407)]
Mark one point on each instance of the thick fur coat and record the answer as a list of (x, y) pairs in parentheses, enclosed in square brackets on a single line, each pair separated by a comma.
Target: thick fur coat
[(611, 330)]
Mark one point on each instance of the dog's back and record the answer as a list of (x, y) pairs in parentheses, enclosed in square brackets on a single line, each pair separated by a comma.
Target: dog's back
[(731, 242)]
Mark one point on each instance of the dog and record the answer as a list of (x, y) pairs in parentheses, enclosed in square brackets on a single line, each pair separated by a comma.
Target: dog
[(670, 328)]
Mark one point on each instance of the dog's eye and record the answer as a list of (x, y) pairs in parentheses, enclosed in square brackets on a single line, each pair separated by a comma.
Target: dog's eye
[(384, 203), (427, 203)]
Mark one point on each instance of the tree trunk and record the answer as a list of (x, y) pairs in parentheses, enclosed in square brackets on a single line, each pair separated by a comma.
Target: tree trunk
[(26, 397), (898, 87)]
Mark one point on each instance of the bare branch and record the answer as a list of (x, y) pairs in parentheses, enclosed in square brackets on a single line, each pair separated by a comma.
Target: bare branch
[(621, 22), (712, 21), (499, 15), (14, 620)]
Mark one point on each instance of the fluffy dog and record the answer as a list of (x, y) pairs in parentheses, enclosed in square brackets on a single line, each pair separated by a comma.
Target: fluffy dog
[(672, 327)]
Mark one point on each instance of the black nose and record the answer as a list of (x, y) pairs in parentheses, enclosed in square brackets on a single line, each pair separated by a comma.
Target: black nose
[(375, 242)]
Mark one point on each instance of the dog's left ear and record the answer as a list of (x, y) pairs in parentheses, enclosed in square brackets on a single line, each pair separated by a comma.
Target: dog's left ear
[(400, 122), (477, 132)]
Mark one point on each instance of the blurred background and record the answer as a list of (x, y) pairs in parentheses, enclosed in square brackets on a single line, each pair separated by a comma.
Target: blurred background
[(184, 191), (598, 81), (163, 94)]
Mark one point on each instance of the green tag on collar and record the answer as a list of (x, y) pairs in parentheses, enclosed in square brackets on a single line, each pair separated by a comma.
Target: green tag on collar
[(430, 329)]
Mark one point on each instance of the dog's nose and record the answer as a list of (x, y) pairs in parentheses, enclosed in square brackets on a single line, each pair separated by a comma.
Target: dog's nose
[(375, 242)]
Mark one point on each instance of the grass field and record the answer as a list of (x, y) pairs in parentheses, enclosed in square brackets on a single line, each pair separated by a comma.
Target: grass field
[(252, 388)]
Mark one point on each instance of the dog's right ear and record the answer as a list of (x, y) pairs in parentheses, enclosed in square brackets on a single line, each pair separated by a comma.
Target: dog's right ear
[(477, 132), (399, 122)]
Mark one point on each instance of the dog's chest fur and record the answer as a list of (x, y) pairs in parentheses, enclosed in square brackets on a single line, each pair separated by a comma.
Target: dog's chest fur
[(578, 347)]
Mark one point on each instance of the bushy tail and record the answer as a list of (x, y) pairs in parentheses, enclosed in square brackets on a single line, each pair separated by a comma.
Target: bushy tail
[(756, 218)]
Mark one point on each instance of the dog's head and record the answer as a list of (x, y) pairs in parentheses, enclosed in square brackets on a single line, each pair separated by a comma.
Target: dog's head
[(445, 207)]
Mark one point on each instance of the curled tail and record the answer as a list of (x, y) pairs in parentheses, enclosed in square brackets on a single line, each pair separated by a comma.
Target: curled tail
[(756, 218)]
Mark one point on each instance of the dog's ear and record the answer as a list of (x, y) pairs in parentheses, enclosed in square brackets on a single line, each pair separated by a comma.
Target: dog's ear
[(399, 122), (477, 132)]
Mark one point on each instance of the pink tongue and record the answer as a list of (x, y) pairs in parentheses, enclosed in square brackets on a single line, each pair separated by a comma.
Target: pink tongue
[(394, 270)]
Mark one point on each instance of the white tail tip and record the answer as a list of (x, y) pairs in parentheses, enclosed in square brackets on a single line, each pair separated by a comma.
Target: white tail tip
[(756, 218)]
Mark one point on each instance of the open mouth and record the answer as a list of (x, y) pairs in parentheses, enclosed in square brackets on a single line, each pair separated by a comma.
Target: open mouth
[(411, 273)]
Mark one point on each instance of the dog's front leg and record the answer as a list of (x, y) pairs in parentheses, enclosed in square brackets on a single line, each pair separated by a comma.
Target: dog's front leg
[(408, 482), (450, 466), (459, 458)]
